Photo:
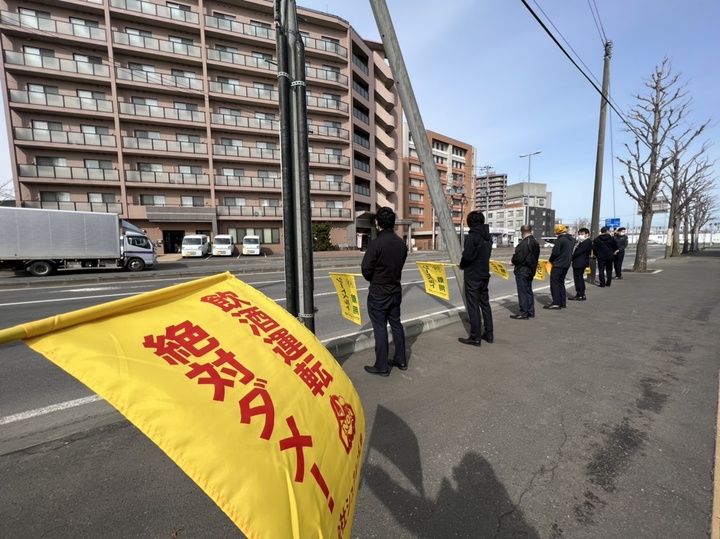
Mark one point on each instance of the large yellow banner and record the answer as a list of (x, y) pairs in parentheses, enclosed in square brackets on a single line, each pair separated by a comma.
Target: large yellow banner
[(540, 271), (499, 269), (346, 289), (433, 274), (234, 389)]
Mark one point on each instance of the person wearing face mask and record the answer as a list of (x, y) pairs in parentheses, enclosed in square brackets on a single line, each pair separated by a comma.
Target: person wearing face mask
[(622, 243), (580, 261)]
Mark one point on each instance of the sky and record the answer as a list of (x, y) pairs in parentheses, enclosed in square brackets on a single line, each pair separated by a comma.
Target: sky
[(485, 72)]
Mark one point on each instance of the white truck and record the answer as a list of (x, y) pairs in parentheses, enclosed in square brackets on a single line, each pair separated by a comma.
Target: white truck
[(43, 241)]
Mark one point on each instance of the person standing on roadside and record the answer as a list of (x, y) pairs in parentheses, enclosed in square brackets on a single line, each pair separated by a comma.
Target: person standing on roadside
[(561, 260), (382, 267), (605, 249), (475, 263), (622, 243), (580, 261), (524, 261)]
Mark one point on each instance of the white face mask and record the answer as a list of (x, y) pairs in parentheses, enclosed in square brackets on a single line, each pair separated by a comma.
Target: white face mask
[(581, 237)]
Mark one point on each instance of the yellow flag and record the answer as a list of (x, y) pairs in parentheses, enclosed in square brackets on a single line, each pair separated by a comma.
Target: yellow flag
[(347, 294), (433, 274), (499, 269), (588, 271), (540, 271), (547, 265), (234, 389)]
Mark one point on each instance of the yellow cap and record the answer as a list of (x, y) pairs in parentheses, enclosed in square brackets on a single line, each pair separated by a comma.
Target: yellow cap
[(560, 229)]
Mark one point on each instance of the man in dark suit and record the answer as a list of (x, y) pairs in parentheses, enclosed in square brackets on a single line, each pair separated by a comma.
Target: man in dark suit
[(605, 249), (524, 261), (561, 259), (580, 261)]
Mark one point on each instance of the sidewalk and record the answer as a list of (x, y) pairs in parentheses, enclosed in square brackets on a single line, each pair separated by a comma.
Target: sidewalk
[(596, 421)]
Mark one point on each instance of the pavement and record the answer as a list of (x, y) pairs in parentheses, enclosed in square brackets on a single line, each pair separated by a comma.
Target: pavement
[(595, 421)]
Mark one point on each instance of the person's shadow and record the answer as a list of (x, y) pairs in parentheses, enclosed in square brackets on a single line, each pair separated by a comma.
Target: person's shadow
[(473, 503)]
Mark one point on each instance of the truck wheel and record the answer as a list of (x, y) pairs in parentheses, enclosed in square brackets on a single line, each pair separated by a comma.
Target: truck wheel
[(135, 264), (40, 268)]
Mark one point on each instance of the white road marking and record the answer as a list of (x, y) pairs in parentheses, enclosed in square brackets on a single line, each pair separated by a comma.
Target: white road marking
[(49, 409)]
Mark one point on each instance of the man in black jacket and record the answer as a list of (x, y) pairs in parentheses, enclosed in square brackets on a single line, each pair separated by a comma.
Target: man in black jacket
[(580, 261), (475, 263), (605, 248), (561, 259), (524, 261), (382, 267), (622, 243)]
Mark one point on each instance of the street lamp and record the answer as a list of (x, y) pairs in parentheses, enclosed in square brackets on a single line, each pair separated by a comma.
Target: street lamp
[(529, 156)]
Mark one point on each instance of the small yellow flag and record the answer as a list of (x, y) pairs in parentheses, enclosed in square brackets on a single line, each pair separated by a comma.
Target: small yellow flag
[(435, 279), (547, 265), (588, 271), (499, 269), (232, 388), (347, 294), (540, 271)]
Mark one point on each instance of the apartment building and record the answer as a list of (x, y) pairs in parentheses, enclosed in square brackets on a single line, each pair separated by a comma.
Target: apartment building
[(490, 190), (526, 203), (455, 162), (166, 113)]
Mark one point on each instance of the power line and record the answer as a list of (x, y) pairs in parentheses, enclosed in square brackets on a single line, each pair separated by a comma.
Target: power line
[(598, 23)]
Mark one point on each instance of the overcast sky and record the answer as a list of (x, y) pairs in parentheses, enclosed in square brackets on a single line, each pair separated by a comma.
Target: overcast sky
[(486, 73)]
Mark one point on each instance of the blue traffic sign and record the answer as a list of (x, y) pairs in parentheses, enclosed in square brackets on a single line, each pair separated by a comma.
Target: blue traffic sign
[(613, 223)]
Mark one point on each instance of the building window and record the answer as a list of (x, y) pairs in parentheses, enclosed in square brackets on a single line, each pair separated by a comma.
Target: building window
[(95, 60), (263, 86), (229, 112), (33, 13), (268, 235), (268, 174), (231, 142), (107, 198), (137, 32), (155, 135), (179, 105), (84, 22), (195, 202), (225, 48), (37, 51), (175, 5), (181, 40), (90, 94), (54, 196), (182, 74), (94, 129), (266, 145), (44, 161), (264, 116), (106, 164), (239, 172), (43, 89), (223, 16), (150, 167), (184, 137), (414, 182), (152, 200), (416, 197), (148, 68), (47, 126), (234, 201), (190, 169), (226, 80), (144, 101), (269, 202), (337, 178), (416, 211)]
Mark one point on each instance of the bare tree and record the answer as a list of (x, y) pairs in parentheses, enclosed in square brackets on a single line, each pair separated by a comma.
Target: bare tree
[(698, 215), (7, 190), (656, 120)]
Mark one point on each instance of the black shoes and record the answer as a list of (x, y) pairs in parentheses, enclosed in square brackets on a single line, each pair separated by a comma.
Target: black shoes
[(471, 342), (520, 316), (552, 306), (602, 286), (487, 338), (401, 367), (578, 298), (619, 277), (375, 370)]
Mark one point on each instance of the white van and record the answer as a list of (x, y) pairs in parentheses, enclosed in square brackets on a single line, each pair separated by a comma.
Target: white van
[(251, 245), (223, 245), (195, 245)]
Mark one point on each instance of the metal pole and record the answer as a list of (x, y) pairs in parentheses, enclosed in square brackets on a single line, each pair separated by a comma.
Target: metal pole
[(529, 156)]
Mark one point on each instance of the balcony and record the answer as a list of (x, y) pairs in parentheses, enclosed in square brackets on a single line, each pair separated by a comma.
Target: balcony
[(244, 121), (385, 140), (153, 44), (239, 59), (68, 173), (385, 117), (166, 177), (61, 101), (343, 213), (244, 91), (162, 113), (325, 131), (158, 145), (326, 159), (244, 181), (64, 137), (148, 8), (324, 103), (31, 22), (385, 95), (385, 184), (100, 207), (57, 64), (325, 46), (160, 79), (386, 163), (240, 28), (341, 187), (326, 74), (250, 211), (242, 151)]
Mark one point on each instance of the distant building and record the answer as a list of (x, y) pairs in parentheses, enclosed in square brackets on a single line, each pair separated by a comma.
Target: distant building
[(490, 191), (525, 203)]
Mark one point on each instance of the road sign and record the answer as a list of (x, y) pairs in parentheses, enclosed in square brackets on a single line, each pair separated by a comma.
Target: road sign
[(613, 223)]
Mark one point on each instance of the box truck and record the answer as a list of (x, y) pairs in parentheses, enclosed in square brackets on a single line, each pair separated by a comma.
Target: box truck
[(43, 241)]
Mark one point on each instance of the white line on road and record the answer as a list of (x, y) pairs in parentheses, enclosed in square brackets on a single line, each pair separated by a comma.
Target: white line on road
[(49, 409)]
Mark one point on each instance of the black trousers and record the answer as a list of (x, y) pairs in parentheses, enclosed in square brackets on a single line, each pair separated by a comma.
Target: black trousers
[(579, 278), (619, 262), (557, 286), (605, 267), (526, 298), (384, 310), (478, 303)]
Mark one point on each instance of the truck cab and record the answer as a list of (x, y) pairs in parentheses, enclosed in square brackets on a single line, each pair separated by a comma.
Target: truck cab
[(195, 245), (223, 245), (251, 245), (138, 251)]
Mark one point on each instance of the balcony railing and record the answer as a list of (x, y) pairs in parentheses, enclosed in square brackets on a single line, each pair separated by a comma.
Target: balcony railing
[(243, 91), (325, 103), (329, 159), (158, 145), (155, 10), (244, 121), (325, 131), (331, 212), (239, 27), (361, 64), (239, 59), (167, 177), (342, 187), (250, 211), (51, 26), (58, 64), (242, 151), (100, 207), (164, 113), (244, 181), (161, 79), (64, 137), (151, 43), (326, 74), (325, 45), (68, 173), (62, 101)]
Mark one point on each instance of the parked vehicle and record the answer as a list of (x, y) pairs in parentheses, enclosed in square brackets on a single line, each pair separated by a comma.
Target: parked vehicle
[(223, 245), (251, 245), (195, 245), (43, 241)]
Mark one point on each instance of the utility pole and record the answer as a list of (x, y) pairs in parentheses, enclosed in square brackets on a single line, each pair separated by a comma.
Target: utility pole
[(670, 243), (597, 196), (419, 135)]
